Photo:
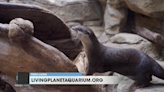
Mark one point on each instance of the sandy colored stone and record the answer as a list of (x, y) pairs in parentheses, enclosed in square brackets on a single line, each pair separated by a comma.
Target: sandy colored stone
[(114, 18), (152, 8), (70, 10), (126, 40)]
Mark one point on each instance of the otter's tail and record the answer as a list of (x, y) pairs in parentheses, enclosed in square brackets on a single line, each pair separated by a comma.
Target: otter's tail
[(158, 71)]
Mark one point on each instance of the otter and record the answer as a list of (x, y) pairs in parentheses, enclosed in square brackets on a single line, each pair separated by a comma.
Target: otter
[(128, 62)]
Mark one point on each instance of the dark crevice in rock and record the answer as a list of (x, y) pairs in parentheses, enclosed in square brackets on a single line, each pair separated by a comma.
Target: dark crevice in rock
[(138, 42)]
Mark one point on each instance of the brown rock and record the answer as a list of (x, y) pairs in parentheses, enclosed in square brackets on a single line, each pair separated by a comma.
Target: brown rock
[(145, 21), (47, 26), (81, 62), (114, 17), (155, 88), (32, 55), (70, 11), (20, 29), (103, 3), (151, 8), (125, 40)]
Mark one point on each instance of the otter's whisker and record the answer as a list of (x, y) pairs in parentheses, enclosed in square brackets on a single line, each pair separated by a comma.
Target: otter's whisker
[(77, 42), (74, 37)]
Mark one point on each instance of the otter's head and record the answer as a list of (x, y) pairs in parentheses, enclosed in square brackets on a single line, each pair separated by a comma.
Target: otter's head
[(81, 33)]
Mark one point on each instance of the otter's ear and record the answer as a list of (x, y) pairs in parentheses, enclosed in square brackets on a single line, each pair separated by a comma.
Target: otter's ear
[(86, 32), (89, 31)]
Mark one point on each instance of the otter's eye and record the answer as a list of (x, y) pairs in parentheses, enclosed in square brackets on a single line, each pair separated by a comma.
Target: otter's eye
[(85, 32), (79, 29)]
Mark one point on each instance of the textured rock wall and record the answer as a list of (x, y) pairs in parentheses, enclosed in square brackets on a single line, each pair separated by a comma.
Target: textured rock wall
[(125, 15), (111, 18), (85, 12), (115, 16)]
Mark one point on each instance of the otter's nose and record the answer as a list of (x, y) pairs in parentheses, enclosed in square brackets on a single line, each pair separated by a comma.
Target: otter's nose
[(74, 29)]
